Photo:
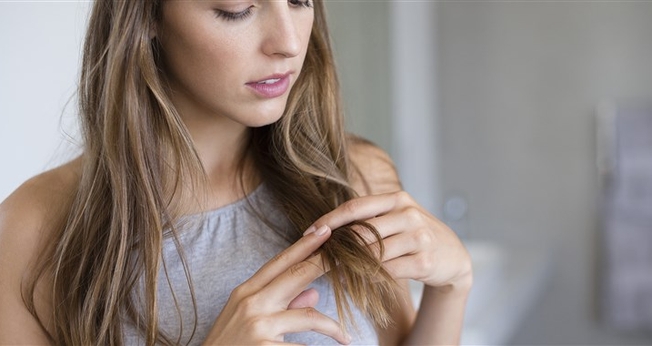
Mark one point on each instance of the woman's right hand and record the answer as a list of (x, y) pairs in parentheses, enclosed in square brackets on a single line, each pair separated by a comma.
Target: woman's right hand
[(273, 302)]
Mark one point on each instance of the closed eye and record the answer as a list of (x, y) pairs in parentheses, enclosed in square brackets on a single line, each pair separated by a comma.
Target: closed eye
[(226, 15), (231, 16), (303, 3)]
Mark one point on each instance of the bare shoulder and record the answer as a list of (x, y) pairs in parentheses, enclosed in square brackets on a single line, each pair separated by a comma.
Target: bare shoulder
[(27, 217), (373, 170), (39, 199)]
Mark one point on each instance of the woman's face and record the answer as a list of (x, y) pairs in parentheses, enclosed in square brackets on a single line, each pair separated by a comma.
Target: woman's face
[(236, 59)]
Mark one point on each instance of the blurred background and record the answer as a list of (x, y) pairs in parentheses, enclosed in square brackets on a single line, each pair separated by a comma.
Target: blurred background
[(511, 121)]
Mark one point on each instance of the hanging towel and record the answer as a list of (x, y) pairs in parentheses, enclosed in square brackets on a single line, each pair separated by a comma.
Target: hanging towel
[(627, 217)]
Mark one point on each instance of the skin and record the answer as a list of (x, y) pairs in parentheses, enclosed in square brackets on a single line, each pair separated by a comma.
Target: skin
[(208, 61)]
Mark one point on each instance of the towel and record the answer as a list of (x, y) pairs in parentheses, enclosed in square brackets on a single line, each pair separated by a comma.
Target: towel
[(627, 221)]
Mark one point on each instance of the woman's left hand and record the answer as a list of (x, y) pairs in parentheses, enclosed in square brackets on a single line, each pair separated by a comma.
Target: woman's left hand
[(417, 245)]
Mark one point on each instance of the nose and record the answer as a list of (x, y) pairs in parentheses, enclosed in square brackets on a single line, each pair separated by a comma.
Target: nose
[(281, 37)]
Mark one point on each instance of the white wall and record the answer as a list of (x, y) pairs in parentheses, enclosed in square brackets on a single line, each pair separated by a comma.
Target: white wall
[(40, 45), (361, 35), (415, 100), (388, 83), (519, 82)]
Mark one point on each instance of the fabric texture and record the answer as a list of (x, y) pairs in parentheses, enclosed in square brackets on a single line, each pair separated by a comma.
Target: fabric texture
[(223, 248)]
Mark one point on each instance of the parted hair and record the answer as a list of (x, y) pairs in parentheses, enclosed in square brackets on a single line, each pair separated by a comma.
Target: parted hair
[(139, 165)]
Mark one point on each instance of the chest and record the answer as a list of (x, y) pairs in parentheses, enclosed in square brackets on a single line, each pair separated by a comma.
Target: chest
[(218, 252)]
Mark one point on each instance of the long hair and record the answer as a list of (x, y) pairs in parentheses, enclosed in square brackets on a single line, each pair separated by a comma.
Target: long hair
[(139, 162)]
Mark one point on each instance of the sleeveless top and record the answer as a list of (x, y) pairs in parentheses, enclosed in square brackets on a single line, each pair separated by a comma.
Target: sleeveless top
[(223, 248)]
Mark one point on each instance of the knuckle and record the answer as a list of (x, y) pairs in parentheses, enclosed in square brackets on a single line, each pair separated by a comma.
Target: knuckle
[(351, 206), (424, 263), (413, 214), (259, 325), (422, 237), (280, 257), (238, 293), (299, 269), (249, 304), (311, 313), (403, 197)]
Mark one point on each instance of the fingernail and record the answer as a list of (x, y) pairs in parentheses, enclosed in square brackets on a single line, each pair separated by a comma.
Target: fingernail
[(310, 229), (322, 230)]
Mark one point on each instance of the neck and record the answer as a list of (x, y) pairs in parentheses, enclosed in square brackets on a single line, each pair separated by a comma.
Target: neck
[(221, 144), (222, 149)]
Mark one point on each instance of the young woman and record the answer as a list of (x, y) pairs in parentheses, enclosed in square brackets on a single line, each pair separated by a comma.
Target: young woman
[(215, 190)]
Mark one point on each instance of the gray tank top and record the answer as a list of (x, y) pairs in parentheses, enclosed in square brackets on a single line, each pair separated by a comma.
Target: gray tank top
[(223, 248)]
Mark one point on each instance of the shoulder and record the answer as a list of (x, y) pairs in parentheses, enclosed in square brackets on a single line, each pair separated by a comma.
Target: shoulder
[(27, 218), (40, 198), (372, 170)]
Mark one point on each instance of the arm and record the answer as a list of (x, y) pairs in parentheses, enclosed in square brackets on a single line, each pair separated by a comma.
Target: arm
[(20, 233), (441, 315)]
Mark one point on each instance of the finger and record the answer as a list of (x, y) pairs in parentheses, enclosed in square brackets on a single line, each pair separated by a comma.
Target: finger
[(389, 224), (289, 284), (396, 246), (306, 299), (364, 208), (309, 319), (294, 254), (408, 267)]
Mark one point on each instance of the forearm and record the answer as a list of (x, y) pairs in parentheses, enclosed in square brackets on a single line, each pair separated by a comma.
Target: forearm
[(441, 316)]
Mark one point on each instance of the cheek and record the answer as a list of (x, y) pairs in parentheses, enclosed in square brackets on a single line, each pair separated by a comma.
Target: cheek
[(306, 30), (216, 64), (203, 63)]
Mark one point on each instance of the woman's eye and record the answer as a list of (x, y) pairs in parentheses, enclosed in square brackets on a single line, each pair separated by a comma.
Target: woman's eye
[(229, 16), (226, 15), (304, 3)]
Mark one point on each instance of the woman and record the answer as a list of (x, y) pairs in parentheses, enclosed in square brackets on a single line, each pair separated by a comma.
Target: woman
[(215, 190)]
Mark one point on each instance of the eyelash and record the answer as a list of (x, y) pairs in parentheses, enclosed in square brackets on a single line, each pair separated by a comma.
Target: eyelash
[(231, 16)]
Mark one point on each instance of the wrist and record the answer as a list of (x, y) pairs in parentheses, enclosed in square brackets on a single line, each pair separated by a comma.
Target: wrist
[(460, 286), (441, 314)]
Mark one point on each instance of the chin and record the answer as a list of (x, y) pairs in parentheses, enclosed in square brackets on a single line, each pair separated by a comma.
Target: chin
[(260, 120), (266, 116)]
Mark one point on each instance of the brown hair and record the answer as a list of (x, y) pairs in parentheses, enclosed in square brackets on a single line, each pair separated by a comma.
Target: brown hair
[(139, 162)]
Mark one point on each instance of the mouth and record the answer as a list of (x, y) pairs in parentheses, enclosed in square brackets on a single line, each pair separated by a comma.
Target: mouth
[(269, 81), (272, 86)]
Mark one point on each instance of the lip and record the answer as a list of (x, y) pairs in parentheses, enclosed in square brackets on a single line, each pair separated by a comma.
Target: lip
[(273, 89)]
